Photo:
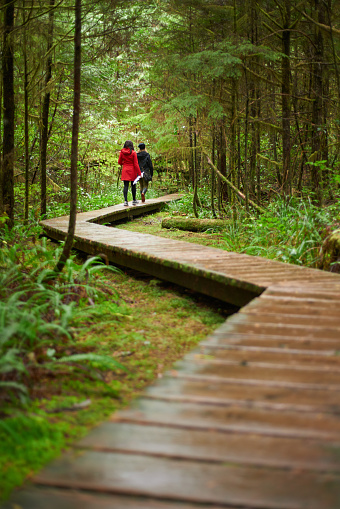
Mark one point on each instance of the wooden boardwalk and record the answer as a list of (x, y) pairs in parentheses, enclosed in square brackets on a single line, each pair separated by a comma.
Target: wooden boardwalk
[(250, 419)]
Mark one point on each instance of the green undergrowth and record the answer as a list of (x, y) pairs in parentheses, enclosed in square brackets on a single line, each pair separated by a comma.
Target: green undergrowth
[(80, 348), (87, 198), (288, 232), (74, 351)]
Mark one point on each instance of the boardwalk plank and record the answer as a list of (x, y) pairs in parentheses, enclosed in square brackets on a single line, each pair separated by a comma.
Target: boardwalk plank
[(192, 481), (287, 306), (262, 316), (265, 372), (210, 446), (232, 419), (305, 360), (49, 498), (233, 392), (279, 343), (239, 325)]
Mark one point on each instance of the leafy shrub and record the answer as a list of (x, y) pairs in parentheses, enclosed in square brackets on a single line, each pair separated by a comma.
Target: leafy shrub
[(37, 317), (290, 232)]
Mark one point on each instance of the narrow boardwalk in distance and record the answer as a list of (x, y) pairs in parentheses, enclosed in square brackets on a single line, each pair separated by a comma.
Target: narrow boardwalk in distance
[(250, 419)]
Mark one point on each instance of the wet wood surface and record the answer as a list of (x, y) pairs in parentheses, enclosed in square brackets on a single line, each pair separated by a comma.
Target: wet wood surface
[(249, 419)]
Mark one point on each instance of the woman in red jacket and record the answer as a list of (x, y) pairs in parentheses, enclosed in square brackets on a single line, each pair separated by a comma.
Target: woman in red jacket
[(130, 170)]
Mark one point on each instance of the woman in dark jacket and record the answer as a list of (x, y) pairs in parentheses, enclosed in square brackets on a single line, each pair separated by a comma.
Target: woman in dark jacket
[(130, 170)]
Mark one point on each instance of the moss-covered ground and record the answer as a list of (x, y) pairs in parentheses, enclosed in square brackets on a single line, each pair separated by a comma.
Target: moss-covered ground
[(143, 323)]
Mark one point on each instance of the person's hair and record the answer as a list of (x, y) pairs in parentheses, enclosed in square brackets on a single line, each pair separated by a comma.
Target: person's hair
[(142, 146), (129, 144)]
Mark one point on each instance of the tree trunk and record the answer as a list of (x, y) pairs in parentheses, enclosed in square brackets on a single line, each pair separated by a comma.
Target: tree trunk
[(26, 126), (196, 201), (74, 147), (246, 178), (233, 150), (285, 91), (191, 159), (212, 193), (7, 173), (222, 160), (317, 114), (253, 95), (45, 111)]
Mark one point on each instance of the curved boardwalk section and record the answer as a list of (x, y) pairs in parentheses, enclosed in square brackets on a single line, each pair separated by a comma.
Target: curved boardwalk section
[(250, 419)]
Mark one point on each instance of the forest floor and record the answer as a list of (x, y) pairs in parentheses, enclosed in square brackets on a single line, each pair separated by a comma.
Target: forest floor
[(152, 224), (141, 322), (156, 324)]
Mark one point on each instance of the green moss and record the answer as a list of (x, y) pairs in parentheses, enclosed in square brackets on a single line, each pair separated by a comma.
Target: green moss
[(26, 443)]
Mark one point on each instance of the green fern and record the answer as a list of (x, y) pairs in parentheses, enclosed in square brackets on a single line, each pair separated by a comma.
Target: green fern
[(35, 316)]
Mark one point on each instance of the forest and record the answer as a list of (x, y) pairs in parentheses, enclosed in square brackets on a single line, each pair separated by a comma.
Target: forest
[(238, 103)]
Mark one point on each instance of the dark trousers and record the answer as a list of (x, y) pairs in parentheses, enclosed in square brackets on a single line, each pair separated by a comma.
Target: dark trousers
[(126, 188)]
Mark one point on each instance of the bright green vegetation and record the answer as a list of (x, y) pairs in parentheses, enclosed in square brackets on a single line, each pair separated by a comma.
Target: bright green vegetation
[(251, 91), (290, 232), (94, 337), (239, 108), (112, 195)]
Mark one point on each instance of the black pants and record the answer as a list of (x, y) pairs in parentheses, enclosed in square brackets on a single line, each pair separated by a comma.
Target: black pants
[(126, 188)]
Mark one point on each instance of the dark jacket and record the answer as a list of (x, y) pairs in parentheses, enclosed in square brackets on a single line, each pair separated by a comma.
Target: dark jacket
[(144, 161)]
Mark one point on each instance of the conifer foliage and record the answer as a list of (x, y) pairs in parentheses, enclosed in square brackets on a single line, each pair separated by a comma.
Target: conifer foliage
[(251, 86), (254, 84)]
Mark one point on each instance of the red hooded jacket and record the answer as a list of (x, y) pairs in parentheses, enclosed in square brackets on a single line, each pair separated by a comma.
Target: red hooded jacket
[(130, 164)]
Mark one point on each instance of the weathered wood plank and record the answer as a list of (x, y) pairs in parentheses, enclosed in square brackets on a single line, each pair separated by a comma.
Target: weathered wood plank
[(261, 357), (232, 419), (265, 372), (214, 447), (231, 392), (288, 306), (260, 316), (238, 324), (51, 498), (192, 481), (282, 344)]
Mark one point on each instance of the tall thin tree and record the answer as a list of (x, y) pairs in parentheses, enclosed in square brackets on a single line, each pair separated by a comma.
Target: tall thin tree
[(74, 145), (45, 110), (26, 129), (285, 90), (7, 167)]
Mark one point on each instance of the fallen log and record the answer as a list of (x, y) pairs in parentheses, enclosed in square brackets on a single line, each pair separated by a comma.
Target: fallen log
[(194, 225), (330, 253)]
